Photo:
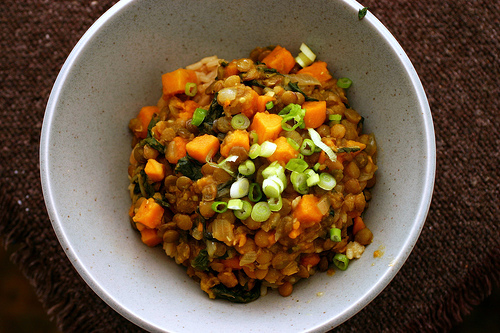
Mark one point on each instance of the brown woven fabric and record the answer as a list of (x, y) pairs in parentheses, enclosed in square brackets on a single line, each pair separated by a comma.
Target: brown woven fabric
[(454, 46)]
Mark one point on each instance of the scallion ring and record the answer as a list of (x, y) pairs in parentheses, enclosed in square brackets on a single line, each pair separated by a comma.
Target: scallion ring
[(275, 204), (269, 105), (198, 116), (261, 211), (344, 82), (244, 212), (219, 206), (267, 148), (297, 164), (254, 192), (239, 188), (293, 143), (191, 89), (326, 181), (235, 204), (254, 151), (335, 235), (247, 168), (341, 261), (308, 147), (240, 122)]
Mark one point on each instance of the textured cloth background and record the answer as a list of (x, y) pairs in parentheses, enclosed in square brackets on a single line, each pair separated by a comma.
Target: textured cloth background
[(454, 46)]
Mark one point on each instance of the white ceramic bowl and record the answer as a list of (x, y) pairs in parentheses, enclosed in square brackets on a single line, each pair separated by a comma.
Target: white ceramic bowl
[(115, 69)]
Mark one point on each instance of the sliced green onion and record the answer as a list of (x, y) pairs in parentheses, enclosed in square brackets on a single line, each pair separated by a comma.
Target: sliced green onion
[(292, 112), (254, 151), (246, 168), (312, 178), (335, 118), (240, 121), (316, 138), (308, 147), (239, 188), (335, 235), (235, 204), (273, 169), (269, 105), (293, 143), (272, 187), (198, 116), (191, 89), (326, 181), (299, 182), (341, 261), (254, 137), (306, 57), (267, 148), (244, 212), (344, 82), (297, 164), (224, 165), (316, 167), (261, 211), (254, 192), (219, 206), (275, 204)]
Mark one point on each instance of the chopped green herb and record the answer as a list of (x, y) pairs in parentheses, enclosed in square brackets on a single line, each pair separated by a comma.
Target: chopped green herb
[(362, 12)]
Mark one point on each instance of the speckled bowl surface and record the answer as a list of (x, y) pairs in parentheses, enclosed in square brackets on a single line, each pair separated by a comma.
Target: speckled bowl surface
[(116, 68)]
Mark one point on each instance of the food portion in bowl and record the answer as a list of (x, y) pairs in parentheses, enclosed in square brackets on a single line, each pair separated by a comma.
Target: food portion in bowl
[(253, 173)]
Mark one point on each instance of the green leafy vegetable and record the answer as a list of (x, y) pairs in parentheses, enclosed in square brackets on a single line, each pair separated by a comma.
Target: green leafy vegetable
[(189, 167), (362, 12), (238, 294), (201, 261), (348, 149), (147, 189), (214, 111), (295, 88), (150, 140)]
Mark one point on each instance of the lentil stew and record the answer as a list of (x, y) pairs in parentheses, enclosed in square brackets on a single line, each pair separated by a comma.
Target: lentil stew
[(254, 173)]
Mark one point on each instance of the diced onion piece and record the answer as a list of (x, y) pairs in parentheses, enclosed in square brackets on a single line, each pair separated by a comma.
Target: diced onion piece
[(239, 188), (248, 258), (267, 148), (261, 211), (235, 204), (316, 138)]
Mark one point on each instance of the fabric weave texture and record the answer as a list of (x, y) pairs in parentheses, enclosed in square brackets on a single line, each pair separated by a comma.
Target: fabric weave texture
[(454, 46)]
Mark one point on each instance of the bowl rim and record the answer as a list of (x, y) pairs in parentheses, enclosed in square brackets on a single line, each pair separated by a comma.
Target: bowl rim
[(372, 293)]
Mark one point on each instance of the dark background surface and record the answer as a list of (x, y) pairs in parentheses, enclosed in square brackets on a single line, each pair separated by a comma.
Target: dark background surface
[(455, 265)]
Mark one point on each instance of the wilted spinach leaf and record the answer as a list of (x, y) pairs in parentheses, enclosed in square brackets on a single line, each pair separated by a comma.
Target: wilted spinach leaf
[(295, 88), (214, 111), (189, 167), (238, 294), (201, 261)]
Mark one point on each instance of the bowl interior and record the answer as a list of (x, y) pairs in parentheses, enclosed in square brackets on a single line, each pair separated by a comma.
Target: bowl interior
[(116, 68)]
